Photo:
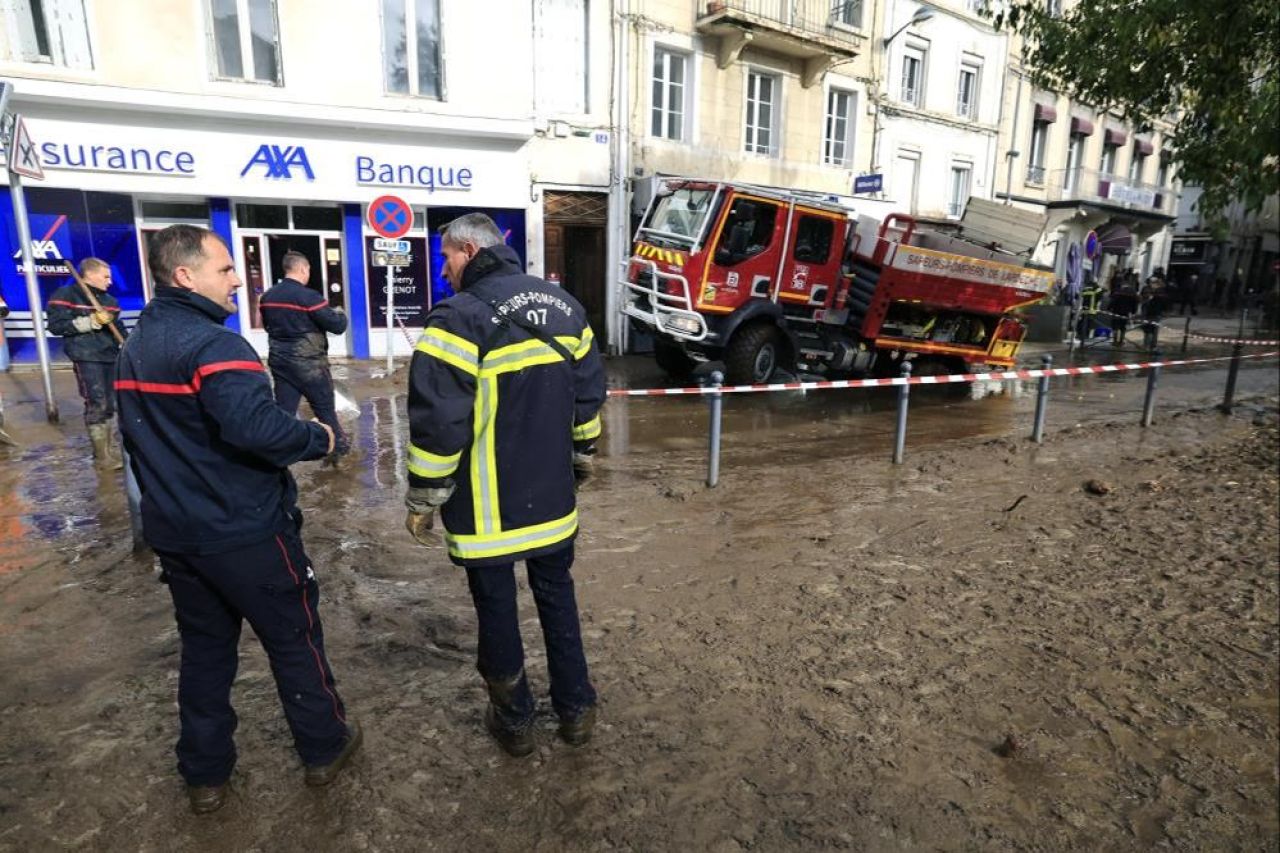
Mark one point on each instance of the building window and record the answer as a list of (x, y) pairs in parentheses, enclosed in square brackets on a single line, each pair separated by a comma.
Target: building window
[(967, 90), (1035, 163), (1075, 153), (977, 7), (837, 139), (848, 12), (246, 41), (1053, 8), (670, 93), (411, 47), (1162, 173), (913, 76), (52, 31), (1137, 166), (560, 57), (1108, 165), (960, 175), (762, 113)]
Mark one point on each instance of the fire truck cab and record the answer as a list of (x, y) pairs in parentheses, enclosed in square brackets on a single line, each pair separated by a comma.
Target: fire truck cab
[(763, 278)]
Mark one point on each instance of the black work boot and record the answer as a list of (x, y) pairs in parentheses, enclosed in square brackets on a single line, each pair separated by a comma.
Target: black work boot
[(516, 742), (577, 731), (323, 774), (207, 798)]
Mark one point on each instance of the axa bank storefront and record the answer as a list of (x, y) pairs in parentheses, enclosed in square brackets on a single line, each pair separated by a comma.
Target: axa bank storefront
[(266, 188)]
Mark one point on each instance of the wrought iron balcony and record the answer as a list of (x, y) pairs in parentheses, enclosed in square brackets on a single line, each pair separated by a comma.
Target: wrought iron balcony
[(819, 32), (1091, 185)]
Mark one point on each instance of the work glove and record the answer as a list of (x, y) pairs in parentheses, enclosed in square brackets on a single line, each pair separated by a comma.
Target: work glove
[(86, 324), (102, 318), (421, 504)]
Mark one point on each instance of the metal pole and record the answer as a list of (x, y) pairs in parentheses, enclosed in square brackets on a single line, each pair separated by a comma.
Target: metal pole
[(1186, 334), (717, 405), (391, 289), (1244, 315), (4, 344), (1071, 332), (134, 496), (33, 293), (1042, 399), (900, 433), (1229, 399), (1149, 403)]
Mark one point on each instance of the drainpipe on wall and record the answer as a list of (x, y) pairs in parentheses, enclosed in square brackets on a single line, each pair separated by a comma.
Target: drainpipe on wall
[(619, 234), (1012, 153)]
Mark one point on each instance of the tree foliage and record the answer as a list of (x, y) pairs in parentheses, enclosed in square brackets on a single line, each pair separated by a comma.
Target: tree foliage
[(1211, 68)]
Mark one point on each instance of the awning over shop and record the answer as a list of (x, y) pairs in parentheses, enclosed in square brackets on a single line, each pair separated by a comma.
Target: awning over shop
[(1115, 239), (1115, 136), (1143, 146), (1081, 126), (1045, 112)]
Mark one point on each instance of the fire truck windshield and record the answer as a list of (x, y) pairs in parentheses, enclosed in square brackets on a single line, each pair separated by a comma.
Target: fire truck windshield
[(679, 215)]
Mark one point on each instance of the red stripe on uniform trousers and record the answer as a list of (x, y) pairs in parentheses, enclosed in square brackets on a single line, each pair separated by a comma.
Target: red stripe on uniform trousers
[(154, 387), (310, 625), (220, 366), (289, 307)]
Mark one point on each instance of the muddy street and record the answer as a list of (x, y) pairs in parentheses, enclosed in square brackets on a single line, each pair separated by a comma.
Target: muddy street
[(969, 651)]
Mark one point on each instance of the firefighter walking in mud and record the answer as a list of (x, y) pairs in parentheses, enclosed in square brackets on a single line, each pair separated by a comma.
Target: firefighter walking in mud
[(298, 321), (211, 450), (505, 390)]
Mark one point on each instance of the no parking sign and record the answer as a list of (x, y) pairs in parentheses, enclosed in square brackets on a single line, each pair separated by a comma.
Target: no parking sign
[(390, 216)]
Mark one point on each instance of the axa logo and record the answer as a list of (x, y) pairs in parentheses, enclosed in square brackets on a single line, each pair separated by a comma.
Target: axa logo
[(279, 162), (42, 250)]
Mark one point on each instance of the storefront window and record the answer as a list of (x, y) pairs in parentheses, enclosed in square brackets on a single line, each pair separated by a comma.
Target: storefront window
[(176, 211), (274, 216), (317, 218)]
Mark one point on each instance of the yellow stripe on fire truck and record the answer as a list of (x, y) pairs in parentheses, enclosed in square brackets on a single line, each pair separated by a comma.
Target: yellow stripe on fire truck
[(653, 253)]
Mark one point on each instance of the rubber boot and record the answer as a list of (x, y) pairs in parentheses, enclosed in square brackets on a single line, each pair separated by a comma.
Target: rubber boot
[(103, 458), (516, 742)]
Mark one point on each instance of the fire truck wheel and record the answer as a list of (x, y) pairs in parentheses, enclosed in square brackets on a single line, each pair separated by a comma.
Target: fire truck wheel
[(672, 359), (752, 355)]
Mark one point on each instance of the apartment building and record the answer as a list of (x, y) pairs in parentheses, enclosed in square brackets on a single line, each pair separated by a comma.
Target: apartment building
[(1087, 170), (276, 122), (940, 69)]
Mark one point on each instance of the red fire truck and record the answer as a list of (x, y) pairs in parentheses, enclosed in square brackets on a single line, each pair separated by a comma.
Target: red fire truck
[(763, 278)]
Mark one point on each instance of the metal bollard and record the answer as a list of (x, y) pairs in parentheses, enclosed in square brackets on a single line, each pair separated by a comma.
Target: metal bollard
[(1186, 334), (1233, 372), (1042, 399), (900, 434), (1074, 320), (1149, 403), (717, 404)]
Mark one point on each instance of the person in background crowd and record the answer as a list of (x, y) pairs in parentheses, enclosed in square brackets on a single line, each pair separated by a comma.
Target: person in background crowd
[(298, 320), (505, 389), (1187, 297), (1123, 304), (211, 450), (92, 348), (1219, 286)]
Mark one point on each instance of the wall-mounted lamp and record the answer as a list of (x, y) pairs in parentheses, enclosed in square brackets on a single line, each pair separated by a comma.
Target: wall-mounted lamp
[(922, 14)]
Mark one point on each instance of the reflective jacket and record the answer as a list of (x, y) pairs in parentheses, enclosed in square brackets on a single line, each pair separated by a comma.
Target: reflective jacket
[(296, 319), (499, 411), (206, 440), (67, 304)]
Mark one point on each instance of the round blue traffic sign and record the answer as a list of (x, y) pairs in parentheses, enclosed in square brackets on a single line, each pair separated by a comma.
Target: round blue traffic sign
[(1092, 245), (390, 216)]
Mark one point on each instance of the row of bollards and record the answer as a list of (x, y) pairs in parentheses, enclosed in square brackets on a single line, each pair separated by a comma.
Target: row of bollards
[(716, 400)]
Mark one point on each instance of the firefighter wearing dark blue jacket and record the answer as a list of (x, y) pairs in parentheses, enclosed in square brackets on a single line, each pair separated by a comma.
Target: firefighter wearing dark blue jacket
[(210, 449), (88, 342), (505, 390), (298, 320)]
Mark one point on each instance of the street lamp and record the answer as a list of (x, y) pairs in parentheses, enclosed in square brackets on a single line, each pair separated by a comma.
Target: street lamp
[(922, 14)]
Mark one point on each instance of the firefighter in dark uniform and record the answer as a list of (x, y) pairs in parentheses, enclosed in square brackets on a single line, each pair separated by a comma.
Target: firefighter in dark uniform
[(298, 320), (92, 348), (210, 449), (505, 389)]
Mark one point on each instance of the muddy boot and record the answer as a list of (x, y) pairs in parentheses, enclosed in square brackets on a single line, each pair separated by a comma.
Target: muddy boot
[(577, 731), (517, 742), (323, 774), (207, 798), (103, 458)]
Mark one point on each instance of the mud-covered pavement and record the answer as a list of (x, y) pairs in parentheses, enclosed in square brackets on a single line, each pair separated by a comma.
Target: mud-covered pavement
[(970, 651)]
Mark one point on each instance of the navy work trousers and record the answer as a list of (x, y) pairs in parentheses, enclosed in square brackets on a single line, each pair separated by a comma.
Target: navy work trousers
[(501, 653), (270, 584), (311, 379), (96, 381)]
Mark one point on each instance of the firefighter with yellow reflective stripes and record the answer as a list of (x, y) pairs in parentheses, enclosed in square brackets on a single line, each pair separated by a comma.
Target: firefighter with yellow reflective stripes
[(505, 390)]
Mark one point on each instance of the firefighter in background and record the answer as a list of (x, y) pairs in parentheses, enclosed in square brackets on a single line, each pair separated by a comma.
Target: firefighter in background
[(92, 348), (1090, 303), (505, 389), (298, 321)]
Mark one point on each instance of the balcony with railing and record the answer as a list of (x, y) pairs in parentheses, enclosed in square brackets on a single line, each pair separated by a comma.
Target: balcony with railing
[(818, 32), (1091, 185)]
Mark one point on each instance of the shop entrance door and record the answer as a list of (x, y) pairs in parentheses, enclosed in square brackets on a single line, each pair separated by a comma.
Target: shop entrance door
[(263, 255)]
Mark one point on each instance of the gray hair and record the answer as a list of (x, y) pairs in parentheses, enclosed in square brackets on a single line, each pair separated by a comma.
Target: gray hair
[(474, 228)]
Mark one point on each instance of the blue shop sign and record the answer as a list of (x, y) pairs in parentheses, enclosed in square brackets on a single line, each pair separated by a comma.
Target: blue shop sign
[(868, 184)]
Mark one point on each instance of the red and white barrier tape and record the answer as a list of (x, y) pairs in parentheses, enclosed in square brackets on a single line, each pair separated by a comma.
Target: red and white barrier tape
[(994, 376), (1245, 341)]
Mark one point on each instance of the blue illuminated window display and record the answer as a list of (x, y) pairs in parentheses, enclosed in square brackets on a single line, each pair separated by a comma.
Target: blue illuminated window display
[(66, 226)]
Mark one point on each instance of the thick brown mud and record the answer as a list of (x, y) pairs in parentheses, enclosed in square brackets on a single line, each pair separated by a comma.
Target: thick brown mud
[(968, 652)]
